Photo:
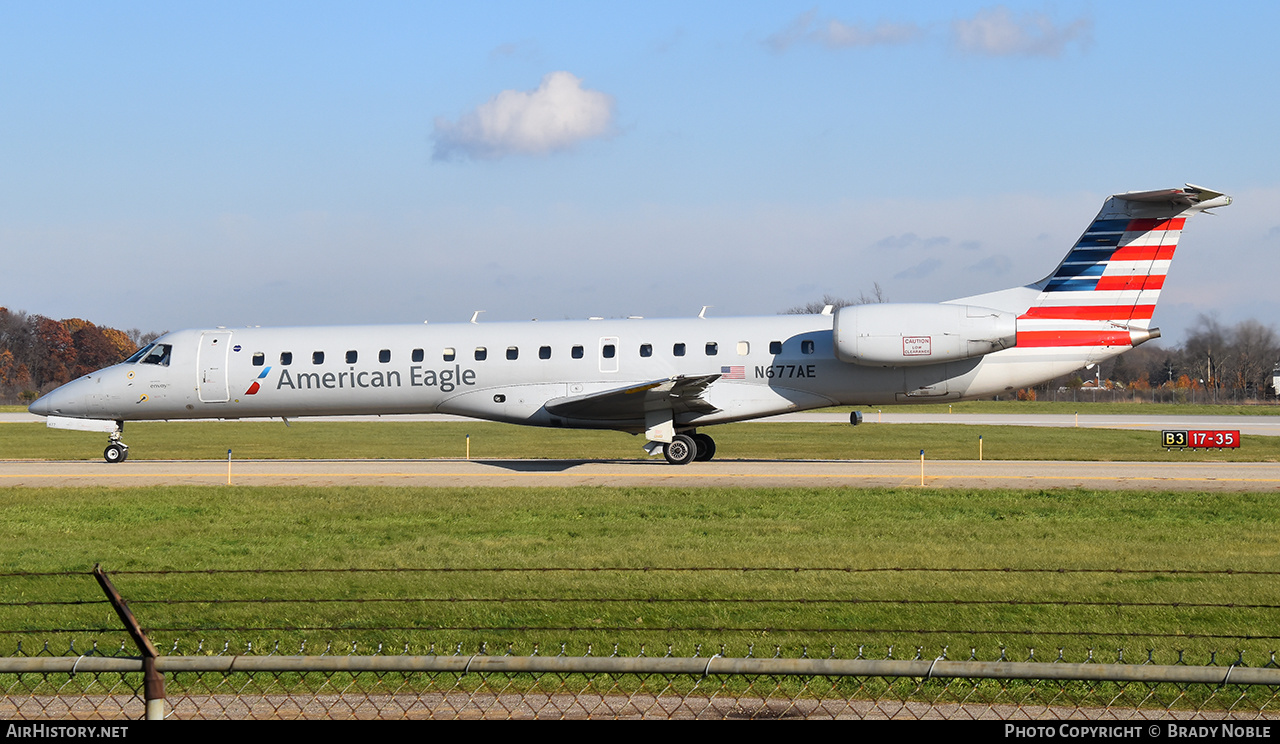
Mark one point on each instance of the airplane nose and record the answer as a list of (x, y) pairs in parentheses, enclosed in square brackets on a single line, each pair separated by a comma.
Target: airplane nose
[(68, 400), (40, 407)]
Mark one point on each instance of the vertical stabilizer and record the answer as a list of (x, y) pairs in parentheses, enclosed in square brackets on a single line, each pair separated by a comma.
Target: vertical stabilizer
[(1104, 292)]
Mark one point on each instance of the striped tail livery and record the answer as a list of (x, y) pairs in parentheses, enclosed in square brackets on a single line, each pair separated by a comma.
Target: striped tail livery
[(1104, 292)]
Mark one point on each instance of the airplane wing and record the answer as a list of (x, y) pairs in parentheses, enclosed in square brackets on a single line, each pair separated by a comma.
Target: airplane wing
[(681, 394)]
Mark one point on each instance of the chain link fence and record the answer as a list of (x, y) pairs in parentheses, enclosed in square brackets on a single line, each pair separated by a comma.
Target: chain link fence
[(461, 686), (99, 667)]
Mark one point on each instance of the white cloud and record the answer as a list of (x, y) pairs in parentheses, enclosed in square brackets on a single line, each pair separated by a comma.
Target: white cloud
[(920, 270), (555, 117), (839, 35), (835, 34), (992, 31), (909, 240), (997, 32), (997, 264)]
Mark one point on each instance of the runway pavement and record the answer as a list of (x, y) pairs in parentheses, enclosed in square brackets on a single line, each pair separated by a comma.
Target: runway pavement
[(1198, 476)]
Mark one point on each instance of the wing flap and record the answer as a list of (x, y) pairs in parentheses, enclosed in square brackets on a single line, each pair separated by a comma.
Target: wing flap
[(680, 394)]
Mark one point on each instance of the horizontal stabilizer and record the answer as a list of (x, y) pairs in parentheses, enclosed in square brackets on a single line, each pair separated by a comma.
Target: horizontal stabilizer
[(1187, 196), (681, 394)]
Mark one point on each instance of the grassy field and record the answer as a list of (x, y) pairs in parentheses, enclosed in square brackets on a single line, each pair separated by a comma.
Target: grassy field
[(1067, 546), (208, 530), (772, 441)]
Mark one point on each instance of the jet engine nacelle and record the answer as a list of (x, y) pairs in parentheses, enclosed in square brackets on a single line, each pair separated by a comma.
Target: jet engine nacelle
[(912, 334)]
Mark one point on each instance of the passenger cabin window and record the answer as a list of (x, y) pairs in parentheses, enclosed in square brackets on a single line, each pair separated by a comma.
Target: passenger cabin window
[(259, 359), (481, 353), (450, 354), (712, 348), (286, 358), (576, 352), (646, 350), (418, 355), (677, 350), (317, 357), (513, 353), (744, 348), (544, 352), (352, 357), (384, 356), (158, 354), (775, 347), (608, 351), (806, 347)]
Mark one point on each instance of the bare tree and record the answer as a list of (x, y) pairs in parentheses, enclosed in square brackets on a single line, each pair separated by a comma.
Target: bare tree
[(813, 308)]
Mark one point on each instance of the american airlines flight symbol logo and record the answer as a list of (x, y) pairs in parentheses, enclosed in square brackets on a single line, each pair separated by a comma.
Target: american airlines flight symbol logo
[(253, 389)]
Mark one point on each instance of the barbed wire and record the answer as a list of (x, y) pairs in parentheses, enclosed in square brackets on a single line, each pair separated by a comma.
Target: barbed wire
[(663, 569), (666, 600), (652, 629), (763, 624)]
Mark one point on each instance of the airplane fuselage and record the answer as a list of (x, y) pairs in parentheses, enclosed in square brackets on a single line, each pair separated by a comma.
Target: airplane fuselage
[(664, 378), (509, 371)]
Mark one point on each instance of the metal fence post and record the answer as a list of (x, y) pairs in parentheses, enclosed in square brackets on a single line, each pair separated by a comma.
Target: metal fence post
[(152, 680)]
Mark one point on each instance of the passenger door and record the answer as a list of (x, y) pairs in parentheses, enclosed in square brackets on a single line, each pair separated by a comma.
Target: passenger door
[(211, 366)]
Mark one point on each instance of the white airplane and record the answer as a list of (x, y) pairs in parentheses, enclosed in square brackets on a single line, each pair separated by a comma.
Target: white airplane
[(668, 378)]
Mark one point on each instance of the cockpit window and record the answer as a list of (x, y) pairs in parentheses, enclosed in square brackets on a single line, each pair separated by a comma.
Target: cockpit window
[(139, 354), (158, 354)]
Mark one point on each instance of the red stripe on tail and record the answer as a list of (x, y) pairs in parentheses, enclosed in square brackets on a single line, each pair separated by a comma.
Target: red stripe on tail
[(1092, 312), (1130, 282), (1028, 339), (1149, 224), (1144, 253)]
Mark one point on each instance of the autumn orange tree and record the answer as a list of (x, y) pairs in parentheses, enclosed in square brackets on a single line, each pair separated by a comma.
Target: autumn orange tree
[(37, 352)]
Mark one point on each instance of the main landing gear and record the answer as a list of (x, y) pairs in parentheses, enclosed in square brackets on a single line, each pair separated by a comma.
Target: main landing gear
[(116, 451), (685, 448)]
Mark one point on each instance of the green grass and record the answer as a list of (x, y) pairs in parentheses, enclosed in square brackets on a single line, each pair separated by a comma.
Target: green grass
[(771, 441), (203, 528)]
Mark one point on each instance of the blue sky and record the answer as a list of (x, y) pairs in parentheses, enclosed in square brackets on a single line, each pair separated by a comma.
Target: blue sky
[(176, 165)]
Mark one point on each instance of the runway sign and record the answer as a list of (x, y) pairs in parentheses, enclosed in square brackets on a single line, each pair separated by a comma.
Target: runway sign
[(1201, 438)]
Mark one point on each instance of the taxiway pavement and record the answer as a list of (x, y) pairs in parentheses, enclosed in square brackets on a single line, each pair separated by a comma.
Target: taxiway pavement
[(1191, 476)]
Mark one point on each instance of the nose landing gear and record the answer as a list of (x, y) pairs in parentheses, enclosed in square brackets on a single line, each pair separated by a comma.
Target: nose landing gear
[(116, 451)]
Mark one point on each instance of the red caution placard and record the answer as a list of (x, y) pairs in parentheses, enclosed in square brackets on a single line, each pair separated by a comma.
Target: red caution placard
[(1200, 438)]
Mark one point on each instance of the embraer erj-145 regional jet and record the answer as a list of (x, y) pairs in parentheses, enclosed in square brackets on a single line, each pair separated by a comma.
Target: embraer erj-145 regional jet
[(667, 379)]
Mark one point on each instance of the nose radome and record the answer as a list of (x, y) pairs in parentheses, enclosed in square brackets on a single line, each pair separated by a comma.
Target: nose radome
[(40, 407), (68, 400)]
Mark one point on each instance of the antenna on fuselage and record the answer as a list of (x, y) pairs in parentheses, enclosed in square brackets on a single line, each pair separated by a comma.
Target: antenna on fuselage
[(703, 314), (476, 316)]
